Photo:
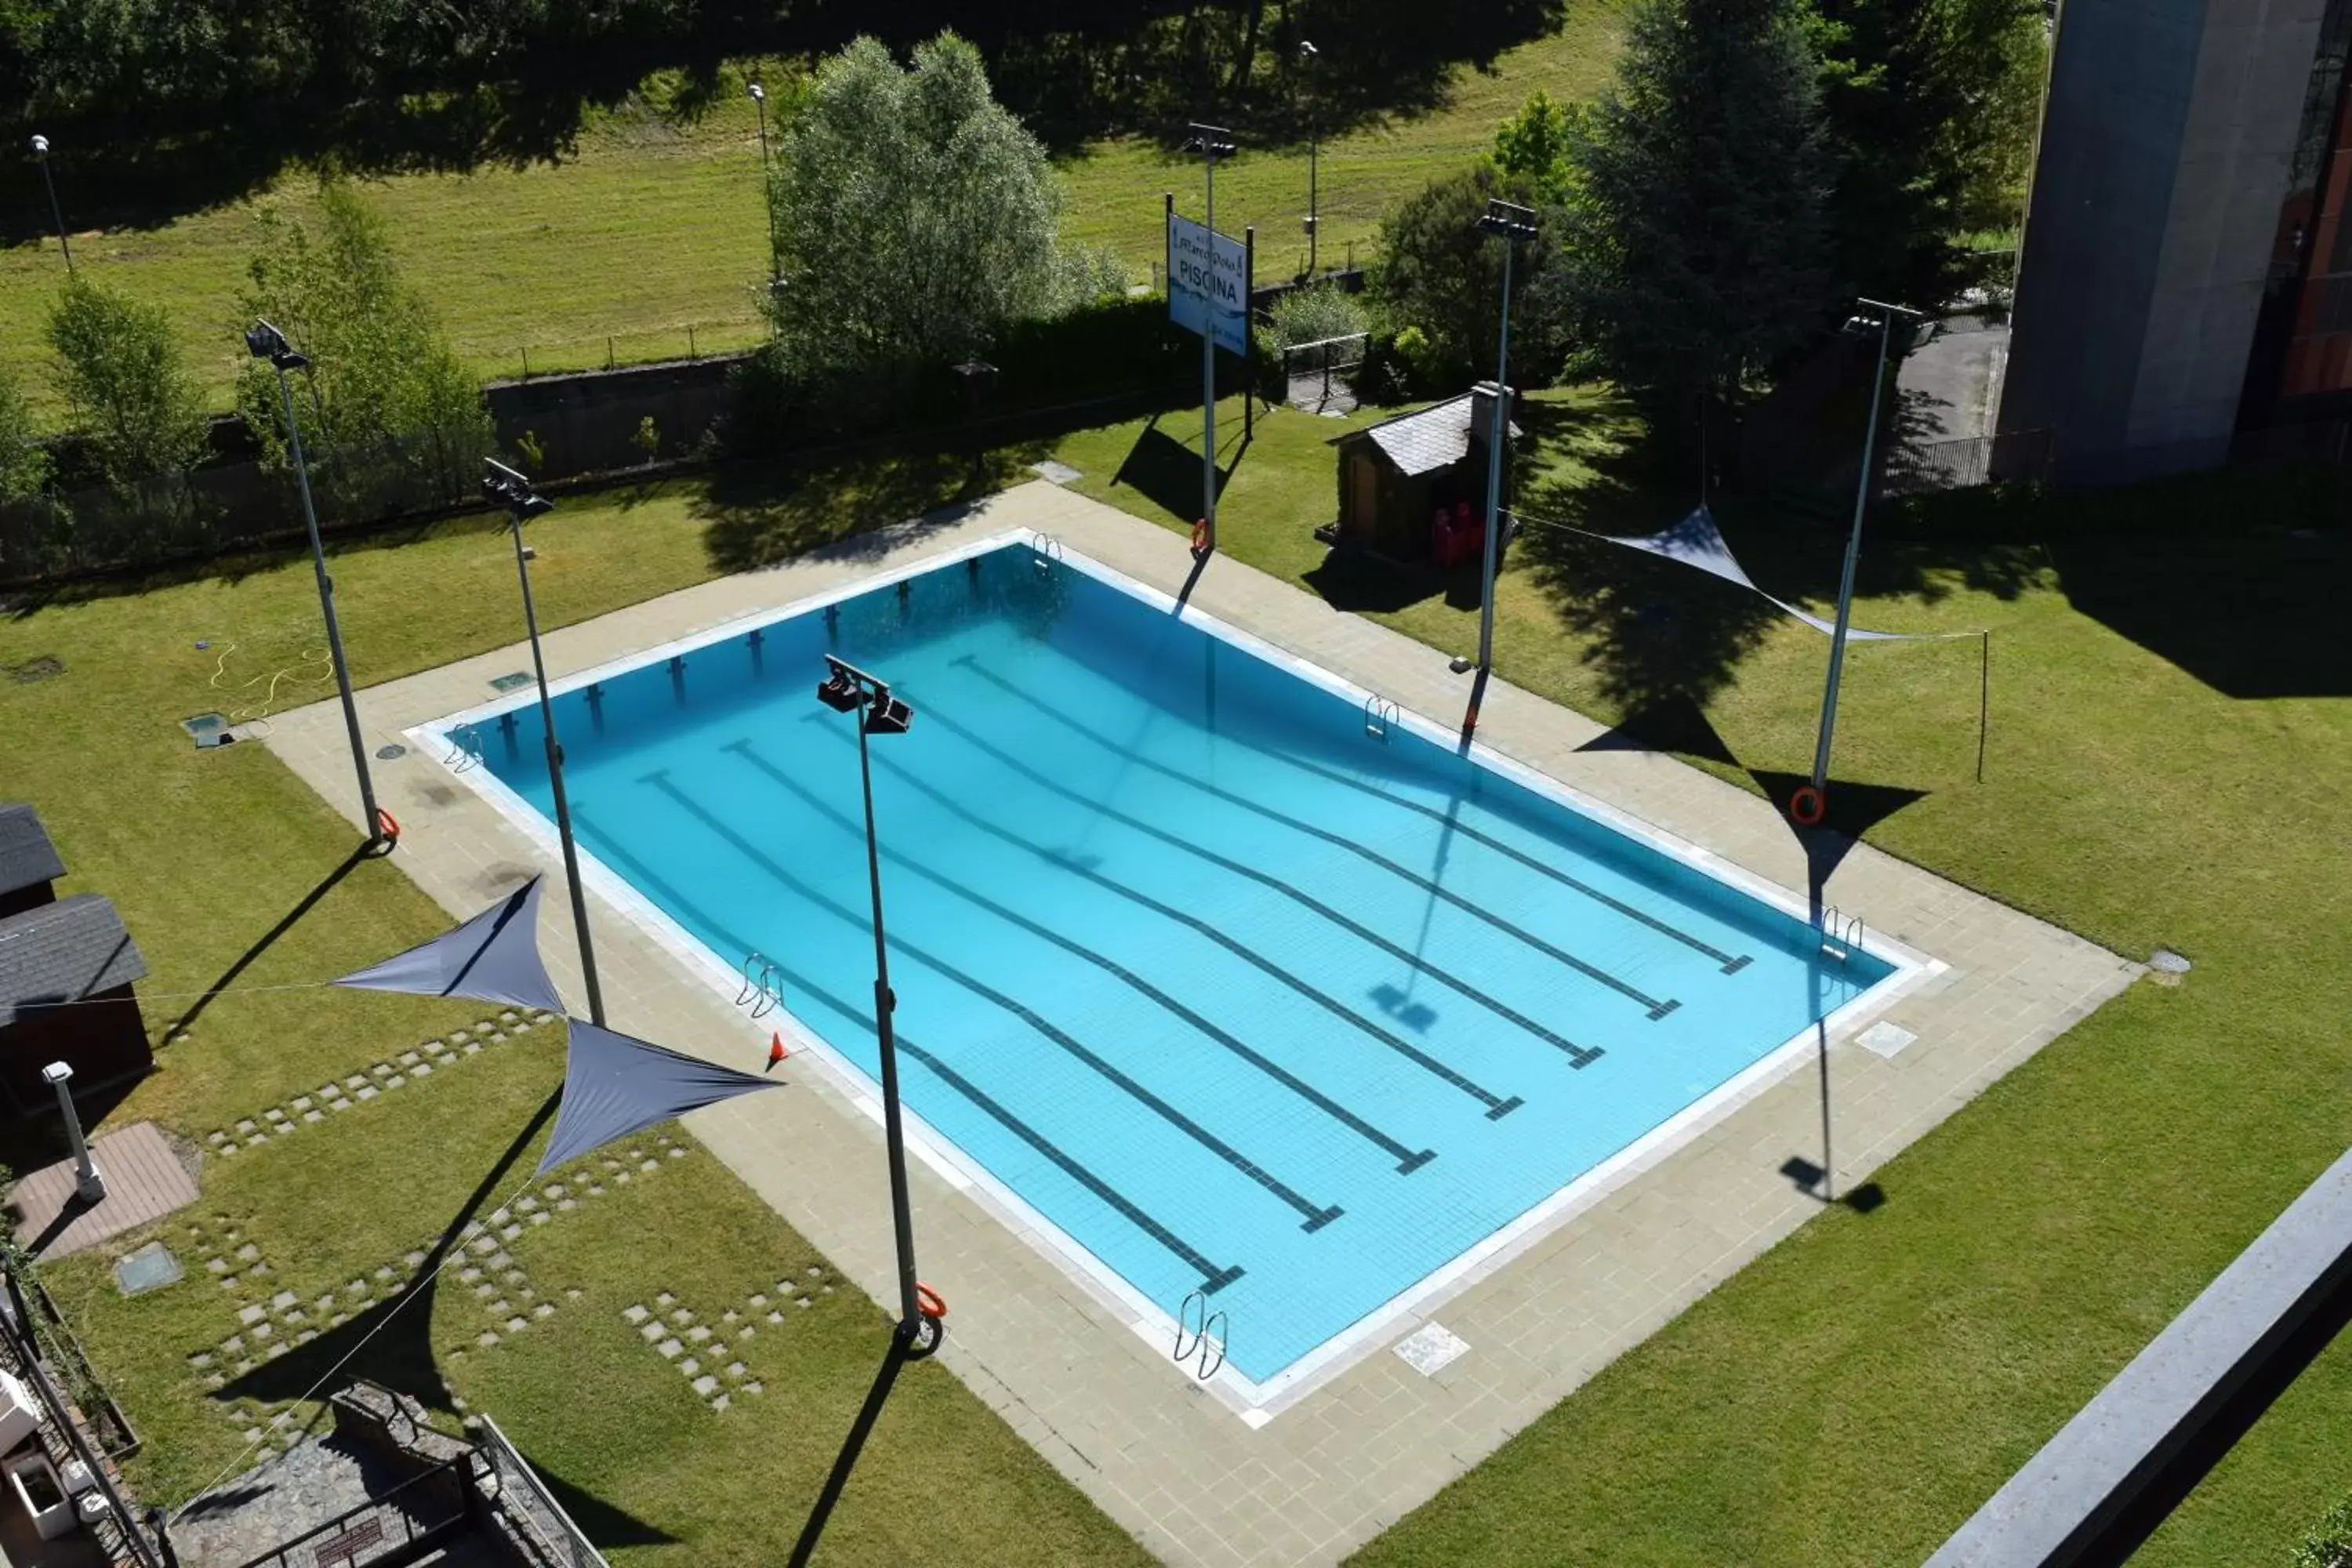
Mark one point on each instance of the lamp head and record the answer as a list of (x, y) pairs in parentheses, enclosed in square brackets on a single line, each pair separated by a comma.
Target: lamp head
[(1307, 49), (56, 1072), (263, 341), (886, 715), (512, 489), (1509, 219), (759, 93), (40, 149), (840, 693), (1215, 140)]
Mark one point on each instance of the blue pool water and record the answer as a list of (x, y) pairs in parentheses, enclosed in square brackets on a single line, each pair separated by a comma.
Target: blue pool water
[(1243, 999)]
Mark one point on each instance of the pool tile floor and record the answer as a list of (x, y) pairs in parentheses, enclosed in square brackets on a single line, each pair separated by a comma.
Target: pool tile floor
[(1190, 1478)]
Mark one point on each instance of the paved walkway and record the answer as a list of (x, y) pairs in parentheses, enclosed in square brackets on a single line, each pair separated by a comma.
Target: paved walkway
[(1171, 1459), (145, 1180)]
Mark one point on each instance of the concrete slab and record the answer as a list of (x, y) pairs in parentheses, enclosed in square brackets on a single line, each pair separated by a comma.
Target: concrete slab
[(145, 1180)]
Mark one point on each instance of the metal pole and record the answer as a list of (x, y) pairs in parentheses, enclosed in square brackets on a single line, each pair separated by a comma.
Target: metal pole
[(555, 781), (57, 213), (901, 1218), (369, 812), (1852, 553), (1209, 374), (1495, 440), (90, 1186), (1249, 343), (1314, 170)]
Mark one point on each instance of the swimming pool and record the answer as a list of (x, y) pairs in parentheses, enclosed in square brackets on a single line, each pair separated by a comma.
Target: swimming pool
[(1247, 992)]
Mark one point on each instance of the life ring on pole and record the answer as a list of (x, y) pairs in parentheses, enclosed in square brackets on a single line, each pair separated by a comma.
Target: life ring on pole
[(930, 1324), (1808, 807), (1201, 536), (387, 827), (929, 1302)]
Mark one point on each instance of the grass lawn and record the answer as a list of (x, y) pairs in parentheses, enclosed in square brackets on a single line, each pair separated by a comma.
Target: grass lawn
[(207, 854), (1853, 1395), (651, 230)]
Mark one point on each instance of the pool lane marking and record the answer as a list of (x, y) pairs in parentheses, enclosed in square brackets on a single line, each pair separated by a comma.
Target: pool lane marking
[(1731, 965), (1655, 1006), (1497, 1106), (1316, 1216), (1214, 1279), (1578, 1055), (1408, 1159)]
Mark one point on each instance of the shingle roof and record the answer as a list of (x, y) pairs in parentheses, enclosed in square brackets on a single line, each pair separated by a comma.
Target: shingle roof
[(27, 856), (1435, 438), (74, 948)]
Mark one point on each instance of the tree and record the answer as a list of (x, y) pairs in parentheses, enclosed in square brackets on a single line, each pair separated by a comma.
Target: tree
[(119, 374), (1931, 107), (1696, 254), (1438, 273), (385, 396), (912, 215), (1533, 145)]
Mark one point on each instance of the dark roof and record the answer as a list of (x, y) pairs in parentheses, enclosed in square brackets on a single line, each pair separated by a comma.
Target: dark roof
[(74, 948), (1422, 442), (27, 856)]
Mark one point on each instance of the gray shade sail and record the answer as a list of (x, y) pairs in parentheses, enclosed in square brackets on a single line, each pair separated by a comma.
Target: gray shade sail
[(615, 1084), (1696, 542), (494, 957)]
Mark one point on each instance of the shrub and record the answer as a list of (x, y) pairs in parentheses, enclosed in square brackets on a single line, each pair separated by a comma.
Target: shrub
[(124, 387), (1318, 312)]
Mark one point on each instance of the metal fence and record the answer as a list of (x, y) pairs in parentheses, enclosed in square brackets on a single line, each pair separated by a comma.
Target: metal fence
[(419, 1508), (2014, 455), (61, 1439), (523, 1498), (1320, 376)]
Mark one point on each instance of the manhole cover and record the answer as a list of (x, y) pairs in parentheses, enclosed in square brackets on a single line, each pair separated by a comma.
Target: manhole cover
[(151, 1267), (390, 754), (1431, 1348), (508, 682), (209, 730), (40, 668), (2164, 961)]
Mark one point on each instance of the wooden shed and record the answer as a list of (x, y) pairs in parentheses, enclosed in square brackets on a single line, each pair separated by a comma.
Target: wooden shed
[(67, 969), (1415, 488)]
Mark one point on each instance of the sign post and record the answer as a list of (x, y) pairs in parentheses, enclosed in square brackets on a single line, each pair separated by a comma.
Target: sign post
[(1207, 293)]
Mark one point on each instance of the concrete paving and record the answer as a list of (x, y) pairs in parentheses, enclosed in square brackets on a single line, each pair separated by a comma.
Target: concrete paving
[(1195, 1475)]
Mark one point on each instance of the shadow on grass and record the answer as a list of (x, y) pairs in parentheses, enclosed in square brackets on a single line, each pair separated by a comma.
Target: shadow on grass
[(757, 514), (179, 1026)]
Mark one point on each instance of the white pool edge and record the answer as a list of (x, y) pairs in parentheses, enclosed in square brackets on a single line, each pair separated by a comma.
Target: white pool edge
[(1256, 1403)]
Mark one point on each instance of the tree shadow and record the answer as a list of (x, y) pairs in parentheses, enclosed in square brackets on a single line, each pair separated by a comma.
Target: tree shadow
[(757, 514)]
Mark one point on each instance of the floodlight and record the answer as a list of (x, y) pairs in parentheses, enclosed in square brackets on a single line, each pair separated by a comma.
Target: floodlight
[(263, 341), (887, 715), (1215, 140), (40, 147), (840, 693), (1509, 219)]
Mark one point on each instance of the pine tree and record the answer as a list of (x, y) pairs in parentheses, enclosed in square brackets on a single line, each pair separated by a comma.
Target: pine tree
[(1696, 253)]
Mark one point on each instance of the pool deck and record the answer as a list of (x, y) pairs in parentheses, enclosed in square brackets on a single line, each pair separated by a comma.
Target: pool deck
[(1174, 1462)]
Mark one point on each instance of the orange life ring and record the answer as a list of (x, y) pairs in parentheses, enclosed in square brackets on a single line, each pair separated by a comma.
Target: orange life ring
[(386, 825), (1807, 807), (929, 1302), (1201, 537)]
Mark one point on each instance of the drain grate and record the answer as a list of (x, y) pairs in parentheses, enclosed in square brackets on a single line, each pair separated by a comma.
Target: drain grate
[(508, 682), (390, 754)]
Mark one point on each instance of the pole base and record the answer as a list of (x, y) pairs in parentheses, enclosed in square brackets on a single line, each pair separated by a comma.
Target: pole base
[(92, 1187)]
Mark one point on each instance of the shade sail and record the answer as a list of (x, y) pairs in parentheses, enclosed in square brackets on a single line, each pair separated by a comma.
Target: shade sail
[(1696, 542), (494, 957), (615, 1084)]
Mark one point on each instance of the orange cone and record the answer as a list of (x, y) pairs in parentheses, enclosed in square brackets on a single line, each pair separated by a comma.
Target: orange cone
[(776, 1051)]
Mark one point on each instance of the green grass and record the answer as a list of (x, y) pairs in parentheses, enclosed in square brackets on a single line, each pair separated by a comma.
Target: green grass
[(1853, 1395), (652, 230), (205, 854)]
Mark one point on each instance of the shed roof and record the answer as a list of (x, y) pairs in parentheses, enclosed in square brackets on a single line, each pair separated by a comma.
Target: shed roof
[(27, 856), (1422, 442), (64, 951)]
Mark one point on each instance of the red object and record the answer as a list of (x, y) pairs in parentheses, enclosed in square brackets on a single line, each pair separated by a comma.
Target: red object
[(776, 1051), (929, 1302), (1807, 807)]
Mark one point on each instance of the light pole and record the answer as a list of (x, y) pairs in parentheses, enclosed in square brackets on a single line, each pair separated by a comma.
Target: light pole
[(263, 341), (511, 490), (1213, 143), (1809, 803), (41, 156), (1513, 223), (849, 689), (90, 1186), (1306, 53), (760, 98)]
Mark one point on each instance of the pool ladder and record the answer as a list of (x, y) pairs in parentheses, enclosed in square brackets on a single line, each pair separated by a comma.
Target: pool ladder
[(1378, 714), (761, 993), (467, 756), (1048, 549), (1841, 935), (1208, 1353)]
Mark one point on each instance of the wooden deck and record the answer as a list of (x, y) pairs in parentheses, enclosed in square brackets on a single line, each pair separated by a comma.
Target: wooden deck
[(145, 1180)]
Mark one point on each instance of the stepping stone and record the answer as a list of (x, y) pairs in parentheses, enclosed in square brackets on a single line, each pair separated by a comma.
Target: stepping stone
[(253, 1434), (325, 1303), (257, 1268), (331, 1091), (394, 1082), (262, 1331), (500, 1309), (381, 1070), (677, 1153), (356, 1287), (382, 1272), (314, 1116), (369, 1092), (279, 1349), (507, 1018), (228, 1282), (282, 1301), (500, 1256), (496, 1034), (736, 1369), (339, 1105), (295, 1316), (571, 1292), (775, 1317), (719, 1404), (813, 1272), (754, 1386), (339, 1320), (743, 1333), (690, 1366), (214, 1380), (706, 1385), (503, 1216), (544, 1310), (228, 1149), (422, 1069), (486, 1289), (828, 1289), (635, 1314), (515, 1277), (414, 1260), (251, 1315), (652, 1332), (671, 1350), (521, 1029), (215, 1265), (409, 1058), (472, 1050), (435, 1047), (683, 1315), (802, 1301), (526, 1202), (306, 1336), (759, 1301), (621, 1180), (554, 1189), (357, 1080), (302, 1102), (273, 1114), (649, 1165), (511, 1232), (457, 1036), (243, 1367), (487, 1339), (216, 1138), (565, 1205), (201, 1360), (467, 1276), (245, 1128), (517, 1325), (698, 1334), (483, 1027), (256, 1141), (728, 1316), (482, 1247), (597, 1190)]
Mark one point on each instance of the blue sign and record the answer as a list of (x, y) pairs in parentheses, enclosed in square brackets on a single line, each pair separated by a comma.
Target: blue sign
[(1208, 284)]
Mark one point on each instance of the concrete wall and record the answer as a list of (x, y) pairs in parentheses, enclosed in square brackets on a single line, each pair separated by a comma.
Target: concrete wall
[(2164, 158)]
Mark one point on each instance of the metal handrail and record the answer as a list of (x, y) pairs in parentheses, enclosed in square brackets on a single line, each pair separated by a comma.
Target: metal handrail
[(390, 1500), (583, 1553)]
